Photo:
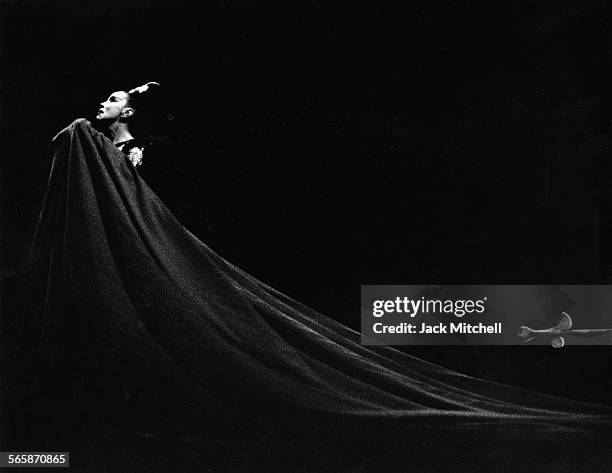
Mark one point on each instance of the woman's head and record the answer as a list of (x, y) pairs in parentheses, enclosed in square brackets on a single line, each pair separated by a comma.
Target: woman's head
[(122, 105), (116, 107)]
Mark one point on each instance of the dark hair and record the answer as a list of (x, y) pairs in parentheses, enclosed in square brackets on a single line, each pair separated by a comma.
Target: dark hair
[(143, 97), (149, 109)]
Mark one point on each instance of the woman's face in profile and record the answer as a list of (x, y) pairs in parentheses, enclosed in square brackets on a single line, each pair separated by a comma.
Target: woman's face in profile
[(114, 106)]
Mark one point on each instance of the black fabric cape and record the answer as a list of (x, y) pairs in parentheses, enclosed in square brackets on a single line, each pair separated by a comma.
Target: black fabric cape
[(141, 294)]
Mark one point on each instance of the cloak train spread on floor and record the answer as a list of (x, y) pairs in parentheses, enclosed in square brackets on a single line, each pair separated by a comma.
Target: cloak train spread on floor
[(140, 290)]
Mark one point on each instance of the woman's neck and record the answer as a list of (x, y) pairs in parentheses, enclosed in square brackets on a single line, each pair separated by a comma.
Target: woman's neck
[(119, 132)]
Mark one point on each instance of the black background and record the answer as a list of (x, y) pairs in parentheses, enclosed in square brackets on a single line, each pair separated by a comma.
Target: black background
[(324, 145)]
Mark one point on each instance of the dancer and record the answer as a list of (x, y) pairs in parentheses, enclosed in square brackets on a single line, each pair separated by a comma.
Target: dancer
[(123, 289)]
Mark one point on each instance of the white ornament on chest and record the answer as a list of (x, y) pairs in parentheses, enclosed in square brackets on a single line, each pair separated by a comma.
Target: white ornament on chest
[(135, 156)]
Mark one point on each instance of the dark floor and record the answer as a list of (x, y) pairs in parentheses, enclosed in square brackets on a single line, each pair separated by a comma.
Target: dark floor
[(131, 452)]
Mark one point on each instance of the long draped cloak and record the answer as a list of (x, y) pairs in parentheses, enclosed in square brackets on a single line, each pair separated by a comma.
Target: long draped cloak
[(140, 292)]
